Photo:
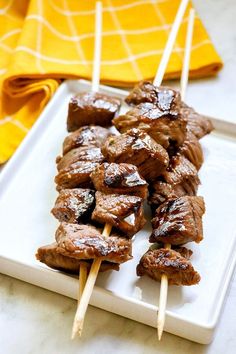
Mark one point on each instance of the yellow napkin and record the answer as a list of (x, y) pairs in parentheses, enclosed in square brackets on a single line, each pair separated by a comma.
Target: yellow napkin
[(43, 41)]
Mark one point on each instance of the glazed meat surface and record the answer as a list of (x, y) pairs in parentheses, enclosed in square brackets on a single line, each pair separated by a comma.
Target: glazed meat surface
[(138, 148), (124, 212), (164, 97), (180, 179), (178, 221), (91, 108), (87, 136), (87, 154), (86, 242), (166, 127), (49, 255), (155, 263), (197, 124), (178, 168), (192, 150), (123, 178), (75, 175), (73, 205)]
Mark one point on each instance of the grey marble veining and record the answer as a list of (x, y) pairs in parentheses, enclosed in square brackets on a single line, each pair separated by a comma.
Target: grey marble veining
[(33, 320)]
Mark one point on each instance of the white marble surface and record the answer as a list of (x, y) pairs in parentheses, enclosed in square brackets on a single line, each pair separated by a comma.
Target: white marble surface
[(33, 320)]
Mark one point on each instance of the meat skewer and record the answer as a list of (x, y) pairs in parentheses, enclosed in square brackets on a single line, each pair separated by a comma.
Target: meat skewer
[(184, 80), (81, 311)]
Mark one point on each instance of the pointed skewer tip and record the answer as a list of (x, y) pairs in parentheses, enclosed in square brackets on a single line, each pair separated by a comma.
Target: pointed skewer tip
[(159, 331)]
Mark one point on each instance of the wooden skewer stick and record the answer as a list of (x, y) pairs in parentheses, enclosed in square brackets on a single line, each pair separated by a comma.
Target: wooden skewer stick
[(187, 53), (97, 48), (184, 82), (82, 308), (82, 280), (170, 43), (95, 88)]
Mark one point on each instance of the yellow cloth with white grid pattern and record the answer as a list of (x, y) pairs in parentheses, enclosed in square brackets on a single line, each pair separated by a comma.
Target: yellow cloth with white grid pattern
[(43, 41)]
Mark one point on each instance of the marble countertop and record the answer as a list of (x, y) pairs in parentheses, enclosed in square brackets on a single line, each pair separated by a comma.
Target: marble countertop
[(33, 320)]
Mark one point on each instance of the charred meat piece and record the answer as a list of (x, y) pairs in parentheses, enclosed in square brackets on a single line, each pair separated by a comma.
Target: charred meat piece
[(73, 205), (179, 167), (76, 175), (49, 255), (91, 108), (92, 154), (120, 178), (192, 150), (167, 127), (124, 212), (180, 179), (197, 124), (86, 242), (155, 263), (88, 136), (164, 97), (139, 149), (178, 221)]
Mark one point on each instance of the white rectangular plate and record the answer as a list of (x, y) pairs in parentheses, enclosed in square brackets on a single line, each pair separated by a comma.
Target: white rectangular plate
[(27, 194)]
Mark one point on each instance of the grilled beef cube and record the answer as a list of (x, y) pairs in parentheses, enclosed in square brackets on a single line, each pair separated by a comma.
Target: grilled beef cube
[(180, 179), (87, 154), (139, 149), (73, 205), (155, 263), (192, 150), (88, 136), (197, 124), (164, 97), (76, 175), (49, 255), (178, 221), (91, 108), (86, 242), (76, 166), (124, 212), (167, 127), (120, 178)]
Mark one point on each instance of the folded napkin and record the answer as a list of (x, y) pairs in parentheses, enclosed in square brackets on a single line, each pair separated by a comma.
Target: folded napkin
[(42, 42)]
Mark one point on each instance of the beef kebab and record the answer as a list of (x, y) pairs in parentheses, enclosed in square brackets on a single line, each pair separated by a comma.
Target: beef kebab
[(183, 215), (119, 197)]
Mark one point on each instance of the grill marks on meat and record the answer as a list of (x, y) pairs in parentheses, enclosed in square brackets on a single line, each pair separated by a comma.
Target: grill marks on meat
[(180, 179), (155, 263), (166, 127), (124, 212), (91, 108), (86, 242), (76, 175), (197, 124), (192, 150), (87, 154), (73, 205), (178, 221), (120, 178), (139, 149), (76, 166), (50, 255), (87, 136), (165, 98)]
